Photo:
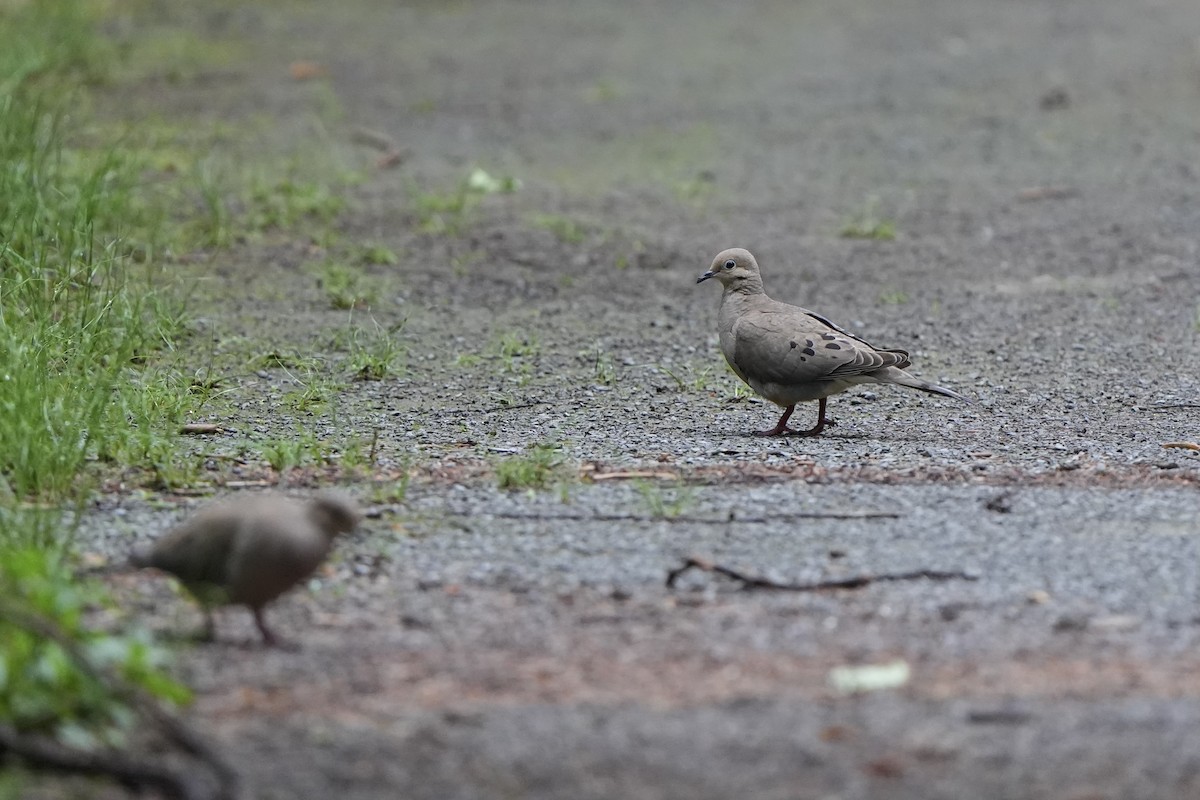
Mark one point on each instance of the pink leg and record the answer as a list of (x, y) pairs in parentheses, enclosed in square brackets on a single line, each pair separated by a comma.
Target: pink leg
[(821, 422), (781, 428)]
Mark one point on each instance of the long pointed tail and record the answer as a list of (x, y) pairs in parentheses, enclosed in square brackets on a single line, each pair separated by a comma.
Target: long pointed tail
[(899, 376)]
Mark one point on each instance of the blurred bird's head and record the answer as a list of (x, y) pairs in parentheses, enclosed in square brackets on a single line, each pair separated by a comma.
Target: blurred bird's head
[(334, 513)]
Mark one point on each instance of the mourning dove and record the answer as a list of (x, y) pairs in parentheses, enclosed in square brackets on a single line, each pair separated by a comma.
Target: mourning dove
[(789, 354), (250, 550)]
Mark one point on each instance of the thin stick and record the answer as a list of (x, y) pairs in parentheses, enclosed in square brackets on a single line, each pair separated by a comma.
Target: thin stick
[(689, 520), (756, 582)]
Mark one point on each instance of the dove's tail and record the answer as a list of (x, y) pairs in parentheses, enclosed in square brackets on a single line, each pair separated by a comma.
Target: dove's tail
[(899, 376)]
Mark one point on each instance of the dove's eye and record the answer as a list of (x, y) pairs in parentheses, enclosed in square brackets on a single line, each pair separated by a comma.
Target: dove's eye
[(730, 264)]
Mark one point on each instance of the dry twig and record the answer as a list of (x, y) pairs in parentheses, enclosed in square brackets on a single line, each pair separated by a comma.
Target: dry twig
[(857, 582), (689, 520)]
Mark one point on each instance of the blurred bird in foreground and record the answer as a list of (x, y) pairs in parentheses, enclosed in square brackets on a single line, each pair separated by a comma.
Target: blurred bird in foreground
[(250, 550)]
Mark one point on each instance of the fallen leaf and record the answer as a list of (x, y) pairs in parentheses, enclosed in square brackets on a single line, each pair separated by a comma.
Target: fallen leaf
[(306, 70), (869, 677)]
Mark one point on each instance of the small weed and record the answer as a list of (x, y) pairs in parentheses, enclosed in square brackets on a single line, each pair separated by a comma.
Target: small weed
[(565, 229), (540, 466), (893, 297), (603, 369), (447, 212), (467, 360), (347, 287), (698, 189), (461, 263), (665, 503), (602, 92), (214, 225), (515, 352), (377, 255), (313, 392), (378, 353), (299, 450), (390, 492), (697, 381), (867, 224), (514, 345), (285, 203), (276, 359), (626, 260), (360, 451)]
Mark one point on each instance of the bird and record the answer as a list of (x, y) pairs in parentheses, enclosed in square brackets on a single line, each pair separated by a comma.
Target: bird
[(788, 354), (249, 550)]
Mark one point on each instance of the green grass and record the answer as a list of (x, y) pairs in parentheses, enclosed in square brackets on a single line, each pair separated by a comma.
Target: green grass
[(298, 449), (376, 352), (689, 378), (565, 229), (665, 503), (447, 212), (867, 224), (80, 320), (541, 466), (347, 286)]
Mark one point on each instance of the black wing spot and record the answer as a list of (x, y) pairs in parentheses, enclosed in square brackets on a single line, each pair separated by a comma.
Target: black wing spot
[(829, 337), (794, 345), (833, 346), (809, 351)]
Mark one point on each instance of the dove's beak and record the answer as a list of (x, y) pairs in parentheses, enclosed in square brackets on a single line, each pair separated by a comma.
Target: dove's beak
[(705, 276)]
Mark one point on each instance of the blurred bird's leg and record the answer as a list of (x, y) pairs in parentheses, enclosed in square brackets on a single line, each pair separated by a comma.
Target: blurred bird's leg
[(209, 632), (270, 638)]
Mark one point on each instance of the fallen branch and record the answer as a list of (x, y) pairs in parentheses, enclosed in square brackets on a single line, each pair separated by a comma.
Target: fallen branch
[(689, 520), (196, 428), (1183, 445), (39, 751), (756, 582), (1167, 406)]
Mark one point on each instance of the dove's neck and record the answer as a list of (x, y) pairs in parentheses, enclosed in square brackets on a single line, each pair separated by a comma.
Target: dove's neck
[(746, 287), (736, 302)]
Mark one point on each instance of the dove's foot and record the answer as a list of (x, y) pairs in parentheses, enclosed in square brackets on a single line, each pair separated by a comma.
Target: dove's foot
[(781, 428), (822, 422)]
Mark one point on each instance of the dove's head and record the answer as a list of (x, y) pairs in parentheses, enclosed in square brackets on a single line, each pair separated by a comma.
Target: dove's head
[(736, 269), (334, 513)]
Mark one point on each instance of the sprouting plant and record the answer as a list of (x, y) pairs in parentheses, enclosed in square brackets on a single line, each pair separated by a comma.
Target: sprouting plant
[(665, 503), (347, 287), (537, 468), (867, 224), (697, 381)]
